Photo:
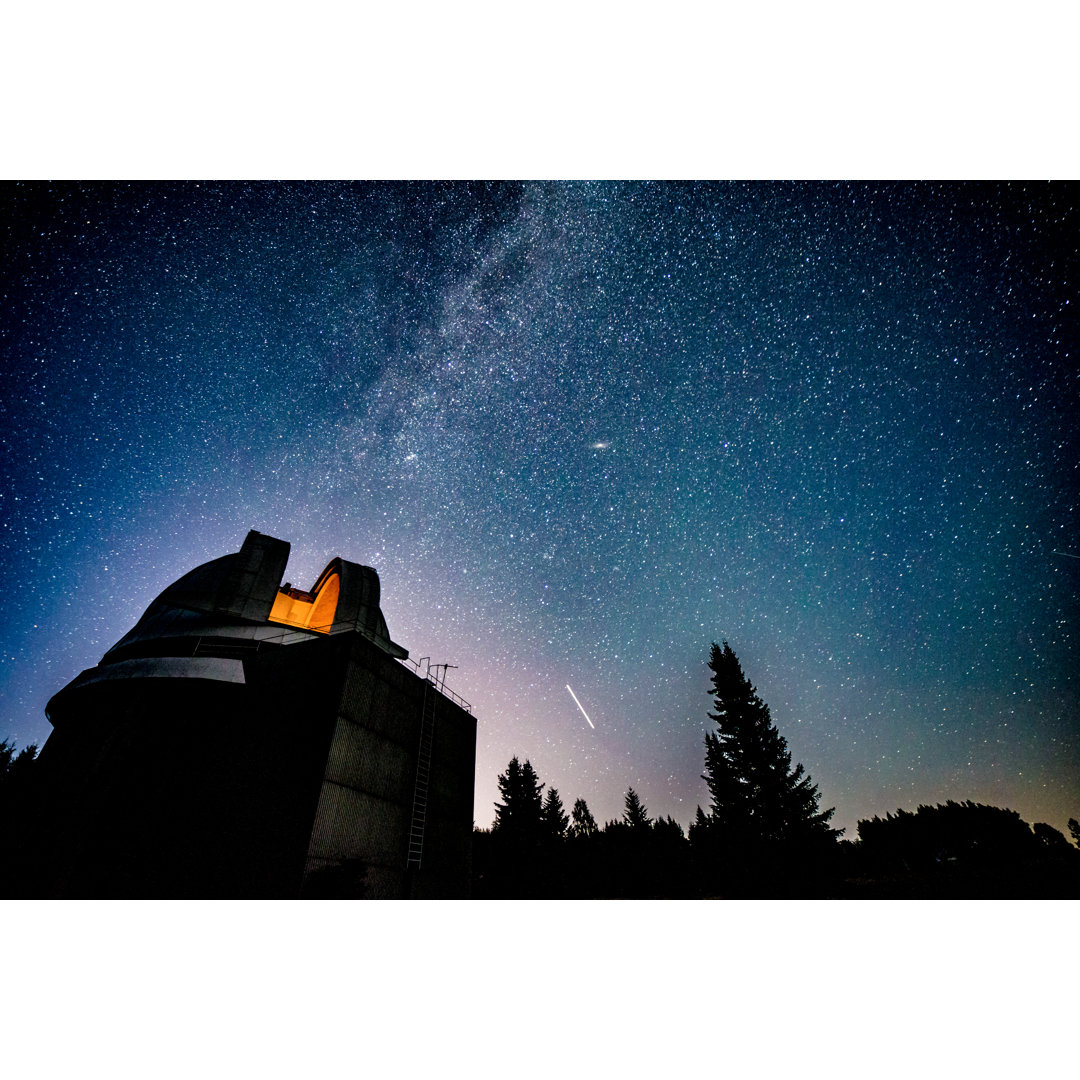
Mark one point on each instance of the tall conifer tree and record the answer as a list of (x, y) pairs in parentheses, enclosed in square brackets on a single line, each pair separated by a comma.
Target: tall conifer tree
[(521, 811), (517, 834), (555, 819), (584, 822), (635, 815), (758, 799)]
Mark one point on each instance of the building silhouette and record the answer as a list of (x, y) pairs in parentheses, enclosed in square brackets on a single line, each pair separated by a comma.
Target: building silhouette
[(250, 739)]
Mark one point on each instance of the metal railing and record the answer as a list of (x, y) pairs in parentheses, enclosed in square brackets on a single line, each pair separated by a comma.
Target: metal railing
[(423, 667)]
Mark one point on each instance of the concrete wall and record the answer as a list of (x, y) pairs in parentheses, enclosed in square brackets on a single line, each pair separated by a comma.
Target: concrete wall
[(365, 805)]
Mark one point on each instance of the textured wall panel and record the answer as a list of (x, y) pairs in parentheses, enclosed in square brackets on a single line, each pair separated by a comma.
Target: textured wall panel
[(363, 759), (356, 698), (352, 824)]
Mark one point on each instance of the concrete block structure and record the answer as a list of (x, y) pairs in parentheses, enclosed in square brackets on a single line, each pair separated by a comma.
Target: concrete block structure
[(250, 739)]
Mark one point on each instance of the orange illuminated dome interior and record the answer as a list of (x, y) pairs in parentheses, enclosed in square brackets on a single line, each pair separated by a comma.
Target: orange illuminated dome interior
[(309, 610)]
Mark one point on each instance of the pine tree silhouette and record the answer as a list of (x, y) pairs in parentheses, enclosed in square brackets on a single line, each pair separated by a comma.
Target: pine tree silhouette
[(635, 815), (521, 811), (516, 866), (584, 824), (763, 813), (555, 820)]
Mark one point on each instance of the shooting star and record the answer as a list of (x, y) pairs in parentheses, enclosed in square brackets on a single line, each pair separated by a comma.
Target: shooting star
[(580, 706)]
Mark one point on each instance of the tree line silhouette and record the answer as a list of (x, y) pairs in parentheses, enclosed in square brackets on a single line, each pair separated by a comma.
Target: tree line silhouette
[(763, 835)]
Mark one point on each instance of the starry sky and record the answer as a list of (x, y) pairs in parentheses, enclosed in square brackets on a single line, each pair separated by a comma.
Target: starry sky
[(581, 431)]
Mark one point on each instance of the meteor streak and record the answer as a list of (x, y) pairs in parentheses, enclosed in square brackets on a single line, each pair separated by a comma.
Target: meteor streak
[(580, 706)]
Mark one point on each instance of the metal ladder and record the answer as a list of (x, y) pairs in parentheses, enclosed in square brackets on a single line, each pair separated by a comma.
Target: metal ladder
[(423, 776)]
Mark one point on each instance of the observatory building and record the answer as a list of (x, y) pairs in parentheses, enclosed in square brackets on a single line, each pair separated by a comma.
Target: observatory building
[(250, 739)]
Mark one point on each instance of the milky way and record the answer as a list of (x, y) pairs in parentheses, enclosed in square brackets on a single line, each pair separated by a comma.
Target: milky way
[(581, 431)]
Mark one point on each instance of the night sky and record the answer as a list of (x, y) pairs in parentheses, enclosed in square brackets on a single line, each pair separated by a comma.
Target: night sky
[(581, 431)]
